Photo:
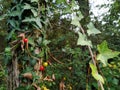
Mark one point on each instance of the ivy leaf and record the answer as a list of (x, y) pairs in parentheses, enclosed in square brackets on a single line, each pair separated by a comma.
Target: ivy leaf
[(92, 29), (29, 20), (14, 13), (105, 53), (38, 22), (10, 34), (82, 40), (7, 49), (27, 6), (75, 21), (34, 0), (45, 42), (80, 15), (59, 1), (3, 17), (95, 74), (31, 42), (35, 13)]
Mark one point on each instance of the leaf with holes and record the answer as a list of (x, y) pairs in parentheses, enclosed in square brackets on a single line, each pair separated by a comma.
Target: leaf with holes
[(105, 53)]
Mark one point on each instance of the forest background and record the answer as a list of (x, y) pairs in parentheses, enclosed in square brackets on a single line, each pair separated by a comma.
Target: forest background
[(59, 45)]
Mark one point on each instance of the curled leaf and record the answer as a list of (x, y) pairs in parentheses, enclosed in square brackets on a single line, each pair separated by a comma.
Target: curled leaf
[(36, 67), (47, 78), (37, 50), (62, 85), (53, 76), (22, 35), (27, 75)]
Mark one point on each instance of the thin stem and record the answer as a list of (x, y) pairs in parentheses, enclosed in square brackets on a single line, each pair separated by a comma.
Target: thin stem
[(92, 56)]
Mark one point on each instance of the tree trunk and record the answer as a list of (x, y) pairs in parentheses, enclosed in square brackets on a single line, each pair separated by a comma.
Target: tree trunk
[(13, 74), (84, 8)]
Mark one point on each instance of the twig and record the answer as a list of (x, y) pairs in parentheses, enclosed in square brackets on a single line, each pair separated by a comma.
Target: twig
[(92, 56), (55, 58)]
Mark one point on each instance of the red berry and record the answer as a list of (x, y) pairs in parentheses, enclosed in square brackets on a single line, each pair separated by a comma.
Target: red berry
[(41, 68), (25, 40)]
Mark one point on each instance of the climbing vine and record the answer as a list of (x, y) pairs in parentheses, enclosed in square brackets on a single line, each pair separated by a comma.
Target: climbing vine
[(28, 53)]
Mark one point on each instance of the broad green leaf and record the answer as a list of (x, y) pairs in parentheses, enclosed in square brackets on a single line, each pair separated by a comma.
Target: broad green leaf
[(34, 0), (80, 15), (45, 42), (60, 1), (42, 53), (73, 4), (14, 13), (27, 6), (3, 17), (12, 23), (92, 30), (31, 42), (38, 22), (105, 53), (94, 69), (33, 62), (10, 34), (115, 81), (95, 73), (29, 20), (67, 10), (46, 0), (75, 21), (7, 49), (35, 13), (82, 40), (98, 77)]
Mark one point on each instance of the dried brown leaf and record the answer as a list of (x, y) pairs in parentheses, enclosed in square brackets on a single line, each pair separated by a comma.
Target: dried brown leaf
[(36, 67), (22, 35), (47, 78), (62, 85), (37, 50), (38, 88), (53, 76), (27, 75)]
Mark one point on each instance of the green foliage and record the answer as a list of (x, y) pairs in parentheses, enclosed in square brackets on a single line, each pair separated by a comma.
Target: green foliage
[(52, 39), (92, 30), (82, 40), (2, 78), (7, 55), (95, 73), (105, 53), (76, 20)]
